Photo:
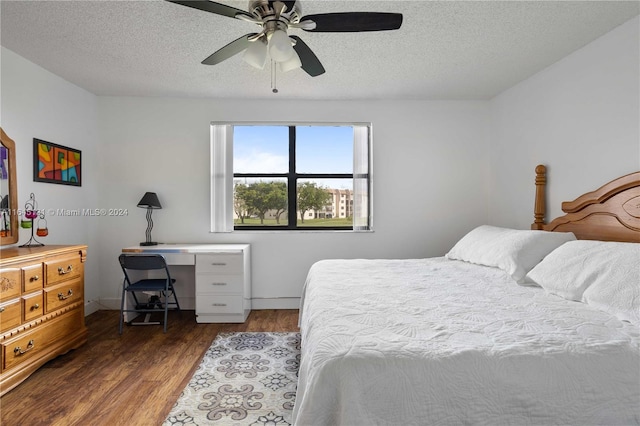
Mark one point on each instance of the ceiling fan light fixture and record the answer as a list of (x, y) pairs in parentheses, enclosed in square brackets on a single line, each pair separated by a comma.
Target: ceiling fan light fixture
[(256, 54), (290, 64), (280, 48)]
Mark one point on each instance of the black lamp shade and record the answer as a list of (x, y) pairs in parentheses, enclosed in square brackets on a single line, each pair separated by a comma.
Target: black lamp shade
[(150, 201)]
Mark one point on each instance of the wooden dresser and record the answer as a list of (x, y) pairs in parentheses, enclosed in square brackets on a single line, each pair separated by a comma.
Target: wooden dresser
[(41, 308)]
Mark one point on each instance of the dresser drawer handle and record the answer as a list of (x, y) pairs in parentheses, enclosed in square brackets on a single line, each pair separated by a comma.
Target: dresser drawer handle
[(34, 278), (61, 270), (218, 304), (218, 283), (18, 350), (36, 306), (219, 264), (63, 297), (1, 308)]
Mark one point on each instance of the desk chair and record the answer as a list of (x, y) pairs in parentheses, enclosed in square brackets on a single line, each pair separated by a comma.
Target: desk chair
[(163, 286)]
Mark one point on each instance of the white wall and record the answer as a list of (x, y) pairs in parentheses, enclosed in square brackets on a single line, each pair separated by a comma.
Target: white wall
[(579, 116), (38, 104), (429, 173)]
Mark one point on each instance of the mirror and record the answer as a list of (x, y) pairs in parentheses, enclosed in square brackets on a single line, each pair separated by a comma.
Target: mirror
[(8, 191)]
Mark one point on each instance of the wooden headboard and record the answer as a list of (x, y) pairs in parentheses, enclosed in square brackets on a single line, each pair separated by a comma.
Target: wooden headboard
[(610, 213)]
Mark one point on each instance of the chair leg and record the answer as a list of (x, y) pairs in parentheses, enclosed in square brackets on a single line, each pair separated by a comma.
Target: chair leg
[(122, 300), (175, 297), (166, 310)]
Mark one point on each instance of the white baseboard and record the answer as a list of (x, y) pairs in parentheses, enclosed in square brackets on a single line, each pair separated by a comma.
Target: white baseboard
[(276, 303), (90, 307), (112, 304), (189, 303)]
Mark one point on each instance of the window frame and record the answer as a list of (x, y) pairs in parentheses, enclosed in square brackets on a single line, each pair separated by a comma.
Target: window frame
[(291, 176)]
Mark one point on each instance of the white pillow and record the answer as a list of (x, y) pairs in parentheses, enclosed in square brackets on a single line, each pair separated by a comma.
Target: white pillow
[(605, 275), (514, 251)]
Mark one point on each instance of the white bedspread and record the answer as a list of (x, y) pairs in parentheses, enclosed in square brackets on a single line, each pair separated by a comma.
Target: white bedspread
[(440, 342)]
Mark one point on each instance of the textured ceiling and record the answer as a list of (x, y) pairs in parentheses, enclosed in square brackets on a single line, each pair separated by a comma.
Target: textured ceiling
[(444, 50)]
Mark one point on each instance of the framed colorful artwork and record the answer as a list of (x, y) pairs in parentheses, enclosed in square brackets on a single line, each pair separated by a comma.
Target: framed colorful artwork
[(54, 163)]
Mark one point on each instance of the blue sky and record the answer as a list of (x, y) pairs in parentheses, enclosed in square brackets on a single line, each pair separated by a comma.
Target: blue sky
[(320, 149)]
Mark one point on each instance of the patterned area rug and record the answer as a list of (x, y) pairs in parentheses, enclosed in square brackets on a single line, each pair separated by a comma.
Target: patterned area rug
[(243, 379)]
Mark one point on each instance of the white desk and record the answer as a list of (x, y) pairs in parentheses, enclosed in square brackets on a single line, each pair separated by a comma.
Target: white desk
[(222, 277)]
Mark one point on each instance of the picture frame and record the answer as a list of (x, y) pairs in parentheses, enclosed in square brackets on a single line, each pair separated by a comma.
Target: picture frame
[(53, 163)]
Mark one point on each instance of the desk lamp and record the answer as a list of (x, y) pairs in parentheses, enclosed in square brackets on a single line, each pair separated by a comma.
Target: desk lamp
[(149, 201)]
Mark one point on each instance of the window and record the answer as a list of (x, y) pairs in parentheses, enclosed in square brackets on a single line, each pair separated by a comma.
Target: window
[(290, 177)]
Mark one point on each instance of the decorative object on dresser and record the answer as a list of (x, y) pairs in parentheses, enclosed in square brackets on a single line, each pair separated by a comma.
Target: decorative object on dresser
[(53, 163), (41, 308), (149, 201), (32, 213)]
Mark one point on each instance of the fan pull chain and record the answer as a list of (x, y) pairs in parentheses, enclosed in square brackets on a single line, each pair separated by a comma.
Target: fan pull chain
[(274, 89)]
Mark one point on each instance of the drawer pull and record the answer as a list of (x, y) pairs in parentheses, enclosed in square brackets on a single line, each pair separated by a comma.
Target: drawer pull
[(34, 278), (61, 270), (18, 350), (218, 283), (218, 304), (36, 306), (1, 308), (63, 297), (219, 264)]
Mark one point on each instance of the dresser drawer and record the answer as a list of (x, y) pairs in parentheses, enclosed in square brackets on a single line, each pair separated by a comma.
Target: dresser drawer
[(215, 284), (32, 277), (223, 264), (32, 306), (219, 304), (31, 344), (59, 270), (62, 295), (10, 315), (10, 283)]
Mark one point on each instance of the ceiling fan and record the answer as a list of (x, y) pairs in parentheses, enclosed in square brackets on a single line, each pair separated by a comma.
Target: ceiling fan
[(275, 18)]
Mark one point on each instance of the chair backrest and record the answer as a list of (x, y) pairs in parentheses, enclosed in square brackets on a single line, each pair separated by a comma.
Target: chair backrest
[(142, 261)]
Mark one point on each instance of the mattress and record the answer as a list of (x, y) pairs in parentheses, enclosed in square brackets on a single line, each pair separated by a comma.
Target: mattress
[(439, 342)]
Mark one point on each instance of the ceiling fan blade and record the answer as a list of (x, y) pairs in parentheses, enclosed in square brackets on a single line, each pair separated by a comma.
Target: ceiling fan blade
[(213, 7), (229, 50), (354, 22), (310, 62), (289, 5)]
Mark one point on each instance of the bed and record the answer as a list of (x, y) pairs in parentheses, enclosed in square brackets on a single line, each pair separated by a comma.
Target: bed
[(511, 327)]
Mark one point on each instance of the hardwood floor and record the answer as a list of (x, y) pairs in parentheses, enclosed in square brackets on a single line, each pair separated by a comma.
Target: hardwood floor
[(133, 379)]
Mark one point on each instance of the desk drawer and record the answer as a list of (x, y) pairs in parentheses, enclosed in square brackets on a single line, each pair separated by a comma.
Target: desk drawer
[(219, 304), (223, 264), (179, 258), (215, 284)]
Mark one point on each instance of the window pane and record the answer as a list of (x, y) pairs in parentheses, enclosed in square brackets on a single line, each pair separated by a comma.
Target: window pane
[(324, 149), (260, 149), (259, 202), (325, 202)]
